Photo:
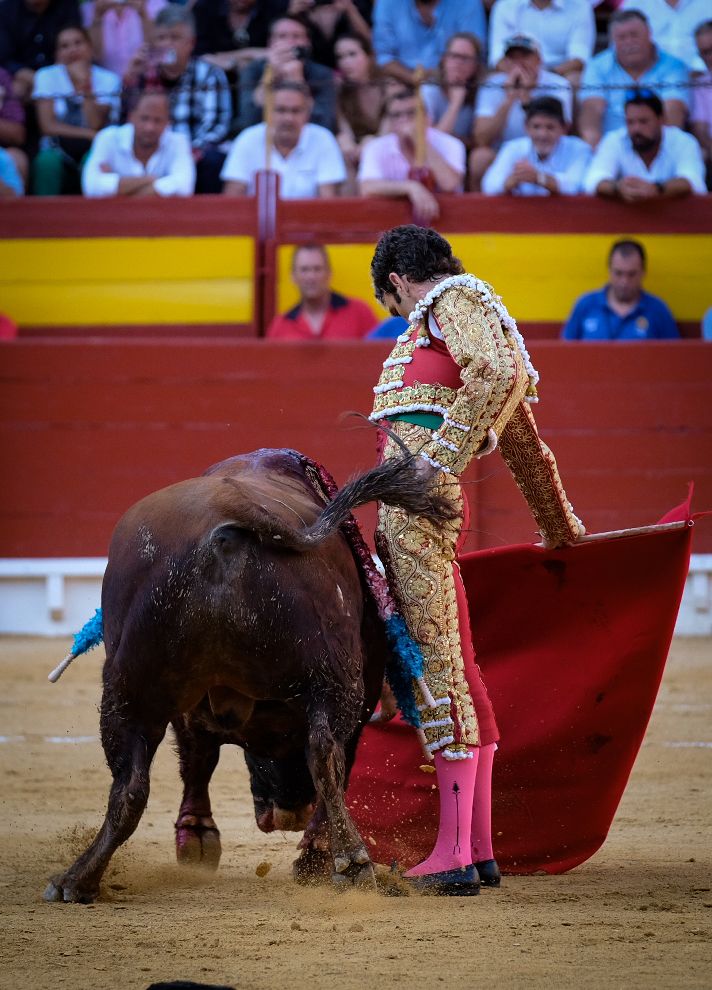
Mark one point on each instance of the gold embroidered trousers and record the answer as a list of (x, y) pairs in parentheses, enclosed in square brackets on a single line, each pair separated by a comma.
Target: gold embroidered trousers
[(420, 560)]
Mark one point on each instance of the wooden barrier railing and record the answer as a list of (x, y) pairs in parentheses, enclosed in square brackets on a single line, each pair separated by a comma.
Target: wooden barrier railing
[(88, 429), (215, 266)]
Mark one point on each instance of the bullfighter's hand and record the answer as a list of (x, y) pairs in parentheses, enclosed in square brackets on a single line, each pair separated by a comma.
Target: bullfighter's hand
[(388, 703)]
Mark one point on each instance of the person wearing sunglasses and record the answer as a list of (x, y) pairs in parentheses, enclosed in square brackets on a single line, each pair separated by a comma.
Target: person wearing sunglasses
[(645, 159)]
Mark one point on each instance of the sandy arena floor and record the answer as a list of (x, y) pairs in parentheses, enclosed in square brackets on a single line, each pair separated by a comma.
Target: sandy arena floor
[(638, 915)]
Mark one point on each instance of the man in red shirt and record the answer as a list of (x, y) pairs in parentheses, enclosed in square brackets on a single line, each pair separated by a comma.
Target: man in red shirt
[(320, 314)]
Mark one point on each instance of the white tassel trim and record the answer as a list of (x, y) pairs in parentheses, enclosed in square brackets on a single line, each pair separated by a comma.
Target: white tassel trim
[(437, 703), (404, 337), (433, 463), (457, 755), (392, 362), (484, 293), (387, 387), (458, 426), (422, 342), (446, 443), (414, 407), (437, 724), (439, 744)]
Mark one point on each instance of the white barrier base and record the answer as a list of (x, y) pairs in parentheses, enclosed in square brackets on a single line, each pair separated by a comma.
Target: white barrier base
[(55, 596)]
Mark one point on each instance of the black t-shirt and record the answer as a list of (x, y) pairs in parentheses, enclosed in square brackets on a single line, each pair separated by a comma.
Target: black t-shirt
[(27, 40)]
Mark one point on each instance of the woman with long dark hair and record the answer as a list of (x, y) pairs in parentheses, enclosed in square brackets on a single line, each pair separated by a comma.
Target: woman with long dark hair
[(450, 101), (74, 99), (360, 100)]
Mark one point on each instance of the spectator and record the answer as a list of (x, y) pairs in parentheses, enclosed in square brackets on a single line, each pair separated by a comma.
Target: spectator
[(644, 159), (706, 325), (306, 156), (74, 99), (701, 115), (289, 57), (11, 184), (232, 33), (198, 92), (118, 29), (546, 162), (412, 33), (564, 31), (450, 101), (12, 125), (389, 329), (387, 162), (28, 37), (141, 158), (500, 114), (8, 328), (632, 60), (321, 313), (359, 101), (327, 22), (672, 25), (621, 310)]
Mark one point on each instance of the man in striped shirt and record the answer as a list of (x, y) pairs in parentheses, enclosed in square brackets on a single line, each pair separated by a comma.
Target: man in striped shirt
[(199, 93)]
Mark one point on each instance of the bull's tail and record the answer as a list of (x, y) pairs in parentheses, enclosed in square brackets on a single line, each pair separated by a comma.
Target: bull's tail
[(405, 481)]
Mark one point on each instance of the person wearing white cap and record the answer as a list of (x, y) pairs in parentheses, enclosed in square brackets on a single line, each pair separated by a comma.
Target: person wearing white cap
[(500, 115)]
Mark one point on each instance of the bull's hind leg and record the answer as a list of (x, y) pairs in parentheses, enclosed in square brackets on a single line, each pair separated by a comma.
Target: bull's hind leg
[(130, 744), (197, 835), (351, 862)]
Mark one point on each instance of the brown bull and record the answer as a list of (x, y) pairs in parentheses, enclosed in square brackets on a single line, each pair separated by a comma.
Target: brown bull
[(234, 610)]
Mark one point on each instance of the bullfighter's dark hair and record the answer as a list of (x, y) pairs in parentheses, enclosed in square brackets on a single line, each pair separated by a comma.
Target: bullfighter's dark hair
[(627, 248), (418, 252)]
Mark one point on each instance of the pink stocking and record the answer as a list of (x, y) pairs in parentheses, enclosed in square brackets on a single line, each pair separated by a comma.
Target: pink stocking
[(482, 807), (456, 787)]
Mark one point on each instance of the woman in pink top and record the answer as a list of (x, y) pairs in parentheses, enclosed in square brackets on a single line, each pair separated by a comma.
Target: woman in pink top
[(119, 29)]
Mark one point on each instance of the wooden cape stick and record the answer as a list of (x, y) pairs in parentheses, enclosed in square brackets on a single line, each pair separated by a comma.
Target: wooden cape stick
[(617, 534)]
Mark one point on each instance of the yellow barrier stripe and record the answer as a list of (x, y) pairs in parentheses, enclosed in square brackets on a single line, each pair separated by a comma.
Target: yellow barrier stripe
[(130, 303), (540, 276), (120, 259)]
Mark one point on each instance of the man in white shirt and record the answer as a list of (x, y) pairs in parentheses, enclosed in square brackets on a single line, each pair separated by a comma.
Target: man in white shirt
[(546, 162), (390, 167), (646, 160), (564, 29), (672, 25), (306, 156), (500, 114), (141, 158)]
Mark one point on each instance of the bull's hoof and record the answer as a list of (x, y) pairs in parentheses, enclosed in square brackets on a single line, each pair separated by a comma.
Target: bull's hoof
[(313, 866), (67, 890), (353, 869), (198, 842)]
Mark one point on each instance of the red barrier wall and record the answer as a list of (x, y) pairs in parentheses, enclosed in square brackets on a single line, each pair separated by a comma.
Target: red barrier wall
[(88, 428)]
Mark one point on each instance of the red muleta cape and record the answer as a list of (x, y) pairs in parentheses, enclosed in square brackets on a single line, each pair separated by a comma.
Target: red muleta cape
[(572, 644)]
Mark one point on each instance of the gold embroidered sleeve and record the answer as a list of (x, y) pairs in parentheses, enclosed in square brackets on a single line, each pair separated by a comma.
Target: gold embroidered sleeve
[(537, 476), (493, 378)]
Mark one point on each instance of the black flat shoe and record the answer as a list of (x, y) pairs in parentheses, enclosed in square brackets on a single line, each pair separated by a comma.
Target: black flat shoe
[(489, 873), (463, 882)]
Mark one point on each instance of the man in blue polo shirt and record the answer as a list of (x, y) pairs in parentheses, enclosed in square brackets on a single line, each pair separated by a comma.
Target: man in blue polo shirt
[(621, 310)]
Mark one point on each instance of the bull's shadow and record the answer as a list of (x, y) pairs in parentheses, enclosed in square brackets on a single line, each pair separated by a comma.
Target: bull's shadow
[(234, 608)]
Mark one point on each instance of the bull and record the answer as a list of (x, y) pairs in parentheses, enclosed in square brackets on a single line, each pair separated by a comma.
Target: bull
[(234, 610)]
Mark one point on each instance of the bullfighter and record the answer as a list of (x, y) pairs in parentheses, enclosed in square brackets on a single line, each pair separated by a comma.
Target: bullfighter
[(458, 383)]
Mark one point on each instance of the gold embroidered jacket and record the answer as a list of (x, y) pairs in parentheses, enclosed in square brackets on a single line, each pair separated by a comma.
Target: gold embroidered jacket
[(497, 377)]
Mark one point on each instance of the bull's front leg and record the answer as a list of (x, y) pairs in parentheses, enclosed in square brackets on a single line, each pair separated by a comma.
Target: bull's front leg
[(351, 862)]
